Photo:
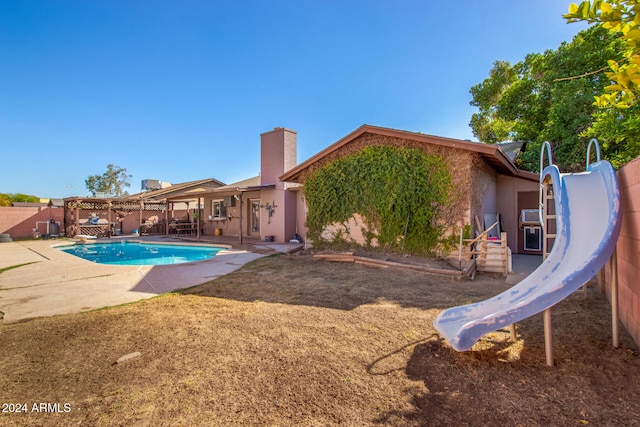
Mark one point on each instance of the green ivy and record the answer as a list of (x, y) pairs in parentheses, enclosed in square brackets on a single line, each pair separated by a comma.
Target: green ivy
[(392, 188)]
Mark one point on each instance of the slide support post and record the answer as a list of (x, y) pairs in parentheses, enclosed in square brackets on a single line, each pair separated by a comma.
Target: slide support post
[(614, 300), (548, 339)]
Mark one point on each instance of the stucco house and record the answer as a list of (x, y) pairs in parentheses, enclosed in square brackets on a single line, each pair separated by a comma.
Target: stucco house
[(257, 208), (261, 207), (271, 206), (486, 180)]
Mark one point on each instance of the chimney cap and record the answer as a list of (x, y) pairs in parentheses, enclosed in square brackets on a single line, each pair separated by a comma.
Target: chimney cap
[(279, 129)]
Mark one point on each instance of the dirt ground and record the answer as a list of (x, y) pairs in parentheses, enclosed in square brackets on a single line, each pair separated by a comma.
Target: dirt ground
[(293, 340)]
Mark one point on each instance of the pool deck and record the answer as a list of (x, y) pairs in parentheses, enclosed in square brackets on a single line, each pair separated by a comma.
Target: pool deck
[(59, 283)]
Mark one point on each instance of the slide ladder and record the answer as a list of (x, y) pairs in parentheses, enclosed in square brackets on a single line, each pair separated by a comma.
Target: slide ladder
[(586, 210)]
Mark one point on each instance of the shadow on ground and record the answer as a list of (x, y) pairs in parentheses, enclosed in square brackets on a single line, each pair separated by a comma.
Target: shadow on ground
[(304, 280), (508, 383)]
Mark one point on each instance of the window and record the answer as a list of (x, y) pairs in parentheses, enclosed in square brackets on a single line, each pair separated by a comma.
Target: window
[(218, 210)]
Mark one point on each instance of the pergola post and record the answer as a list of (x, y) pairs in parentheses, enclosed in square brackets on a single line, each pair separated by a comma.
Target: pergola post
[(240, 219), (198, 221), (140, 218), (166, 217), (109, 218), (77, 228)]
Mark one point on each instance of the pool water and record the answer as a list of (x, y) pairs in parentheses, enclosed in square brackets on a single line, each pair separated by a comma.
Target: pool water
[(133, 253)]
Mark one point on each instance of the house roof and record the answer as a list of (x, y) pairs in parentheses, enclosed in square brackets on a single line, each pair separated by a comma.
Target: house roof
[(182, 191), (511, 148), (28, 204), (53, 202), (492, 154), (248, 184)]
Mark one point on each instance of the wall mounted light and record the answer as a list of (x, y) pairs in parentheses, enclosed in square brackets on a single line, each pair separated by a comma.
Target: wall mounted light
[(271, 208)]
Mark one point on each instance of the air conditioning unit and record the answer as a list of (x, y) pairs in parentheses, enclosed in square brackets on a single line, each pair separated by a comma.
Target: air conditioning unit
[(101, 195), (229, 201), (530, 217), (151, 184)]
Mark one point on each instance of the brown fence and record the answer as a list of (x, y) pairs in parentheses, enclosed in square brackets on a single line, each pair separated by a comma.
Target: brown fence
[(23, 222)]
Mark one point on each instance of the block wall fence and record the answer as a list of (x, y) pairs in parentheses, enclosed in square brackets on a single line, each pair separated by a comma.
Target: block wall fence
[(19, 222), (628, 251)]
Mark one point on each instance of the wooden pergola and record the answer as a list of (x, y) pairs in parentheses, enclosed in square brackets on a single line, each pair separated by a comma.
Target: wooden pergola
[(103, 211), (95, 216)]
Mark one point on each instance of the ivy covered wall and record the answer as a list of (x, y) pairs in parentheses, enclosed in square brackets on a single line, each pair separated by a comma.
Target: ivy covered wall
[(393, 191), (471, 179)]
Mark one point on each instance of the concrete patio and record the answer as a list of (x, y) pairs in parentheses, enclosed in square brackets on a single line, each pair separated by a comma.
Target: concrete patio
[(55, 282)]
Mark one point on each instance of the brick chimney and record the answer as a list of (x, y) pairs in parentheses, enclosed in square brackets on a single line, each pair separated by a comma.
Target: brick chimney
[(277, 155)]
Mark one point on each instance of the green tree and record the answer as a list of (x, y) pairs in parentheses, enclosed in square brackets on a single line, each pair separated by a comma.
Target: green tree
[(617, 121), (487, 124), (539, 99), (8, 199), (112, 182), (19, 197), (5, 199)]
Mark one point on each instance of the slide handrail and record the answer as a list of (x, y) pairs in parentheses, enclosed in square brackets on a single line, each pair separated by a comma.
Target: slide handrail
[(542, 189), (597, 145), (548, 147)]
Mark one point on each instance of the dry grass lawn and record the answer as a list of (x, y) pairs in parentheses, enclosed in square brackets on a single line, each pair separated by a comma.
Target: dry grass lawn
[(293, 340)]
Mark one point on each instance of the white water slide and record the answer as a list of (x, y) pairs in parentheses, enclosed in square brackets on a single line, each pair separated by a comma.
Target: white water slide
[(588, 220)]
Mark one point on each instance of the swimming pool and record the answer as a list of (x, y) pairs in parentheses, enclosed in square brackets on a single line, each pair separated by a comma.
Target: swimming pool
[(134, 253)]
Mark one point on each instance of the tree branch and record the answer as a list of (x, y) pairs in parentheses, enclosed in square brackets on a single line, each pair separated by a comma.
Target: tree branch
[(581, 75)]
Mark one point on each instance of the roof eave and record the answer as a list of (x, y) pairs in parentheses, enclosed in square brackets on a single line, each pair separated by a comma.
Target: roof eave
[(292, 174), (501, 162)]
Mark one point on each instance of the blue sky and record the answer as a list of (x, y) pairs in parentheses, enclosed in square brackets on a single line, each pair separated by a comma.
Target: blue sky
[(181, 90)]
